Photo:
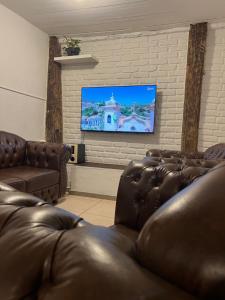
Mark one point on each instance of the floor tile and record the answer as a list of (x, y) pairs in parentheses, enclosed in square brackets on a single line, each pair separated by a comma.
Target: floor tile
[(96, 211), (78, 204), (105, 208)]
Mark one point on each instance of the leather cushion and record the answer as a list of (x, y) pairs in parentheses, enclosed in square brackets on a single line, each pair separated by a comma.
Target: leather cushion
[(30, 229), (96, 263), (35, 178), (129, 233), (17, 183)]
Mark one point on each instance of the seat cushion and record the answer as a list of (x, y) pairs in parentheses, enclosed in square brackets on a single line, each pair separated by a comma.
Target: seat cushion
[(17, 183), (35, 178)]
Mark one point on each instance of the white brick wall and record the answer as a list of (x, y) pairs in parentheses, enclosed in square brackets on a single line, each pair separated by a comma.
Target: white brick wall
[(139, 58), (212, 117)]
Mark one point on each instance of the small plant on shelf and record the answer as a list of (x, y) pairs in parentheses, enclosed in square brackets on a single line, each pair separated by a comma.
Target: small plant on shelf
[(72, 46)]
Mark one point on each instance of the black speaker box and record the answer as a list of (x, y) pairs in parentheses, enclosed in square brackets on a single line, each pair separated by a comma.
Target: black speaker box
[(78, 154)]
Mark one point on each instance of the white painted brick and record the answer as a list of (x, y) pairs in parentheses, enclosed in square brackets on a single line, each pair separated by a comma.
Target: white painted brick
[(167, 67), (128, 150), (119, 144), (212, 117), (142, 60)]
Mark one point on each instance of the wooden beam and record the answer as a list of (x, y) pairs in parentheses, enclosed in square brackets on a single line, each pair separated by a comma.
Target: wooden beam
[(54, 119), (193, 86)]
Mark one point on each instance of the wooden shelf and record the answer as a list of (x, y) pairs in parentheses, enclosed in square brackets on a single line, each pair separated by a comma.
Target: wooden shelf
[(76, 59), (99, 165)]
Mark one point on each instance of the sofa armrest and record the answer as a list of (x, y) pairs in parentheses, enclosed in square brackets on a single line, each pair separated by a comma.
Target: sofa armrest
[(46, 155), (49, 156)]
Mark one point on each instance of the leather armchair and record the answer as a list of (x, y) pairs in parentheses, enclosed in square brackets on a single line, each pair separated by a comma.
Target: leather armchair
[(35, 167), (50, 254)]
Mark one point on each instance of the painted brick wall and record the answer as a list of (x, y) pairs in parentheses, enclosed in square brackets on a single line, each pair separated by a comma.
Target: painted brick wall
[(212, 117), (139, 58)]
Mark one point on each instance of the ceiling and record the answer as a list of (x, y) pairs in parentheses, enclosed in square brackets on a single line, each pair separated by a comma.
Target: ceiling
[(97, 17)]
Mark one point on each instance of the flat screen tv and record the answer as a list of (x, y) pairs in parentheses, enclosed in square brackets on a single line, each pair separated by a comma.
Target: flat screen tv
[(118, 108)]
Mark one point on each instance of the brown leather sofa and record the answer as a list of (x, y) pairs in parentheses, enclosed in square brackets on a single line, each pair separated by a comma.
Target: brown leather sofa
[(216, 151), (211, 157), (178, 254), (35, 167)]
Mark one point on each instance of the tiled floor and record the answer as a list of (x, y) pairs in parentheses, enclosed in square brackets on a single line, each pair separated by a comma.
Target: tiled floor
[(96, 211)]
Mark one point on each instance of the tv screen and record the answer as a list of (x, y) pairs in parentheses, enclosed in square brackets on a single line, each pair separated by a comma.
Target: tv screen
[(118, 108)]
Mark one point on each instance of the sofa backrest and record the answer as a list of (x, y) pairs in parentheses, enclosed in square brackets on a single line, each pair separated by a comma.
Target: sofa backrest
[(146, 185), (215, 152), (12, 150), (184, 240)]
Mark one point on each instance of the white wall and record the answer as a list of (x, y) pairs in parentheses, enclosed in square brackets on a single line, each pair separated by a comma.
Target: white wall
[(23, 76), (139, 58), (93, 180), (212, 117)]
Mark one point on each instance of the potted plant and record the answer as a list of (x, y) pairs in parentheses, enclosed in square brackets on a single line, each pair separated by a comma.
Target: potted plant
[(72, 46)]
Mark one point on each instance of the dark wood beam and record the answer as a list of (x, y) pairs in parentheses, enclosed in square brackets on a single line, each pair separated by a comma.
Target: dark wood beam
[(54, 119), (193, 86)]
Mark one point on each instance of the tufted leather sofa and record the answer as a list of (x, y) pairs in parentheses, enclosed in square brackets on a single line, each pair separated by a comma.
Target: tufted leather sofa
[(211, 157), (178, 253), (35, 167)]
